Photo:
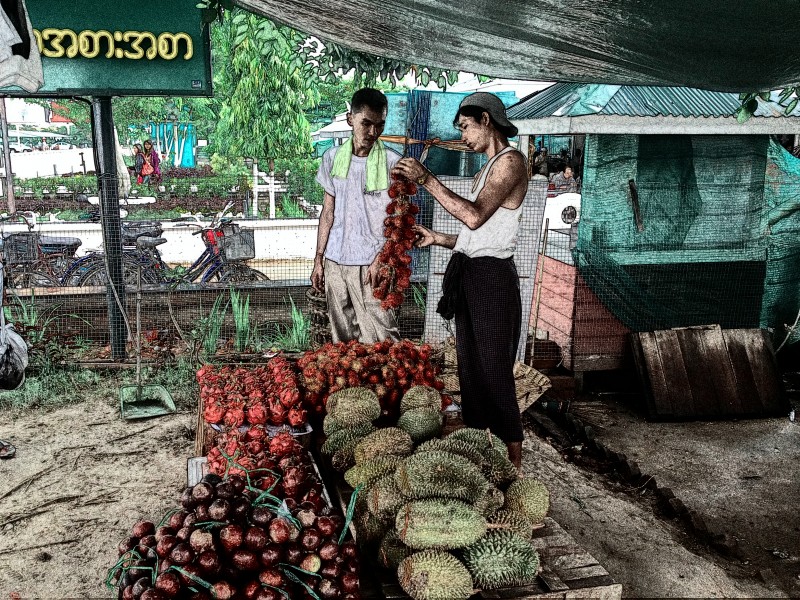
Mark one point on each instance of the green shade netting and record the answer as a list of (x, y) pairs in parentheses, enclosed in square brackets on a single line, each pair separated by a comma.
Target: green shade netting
[(718, 237)]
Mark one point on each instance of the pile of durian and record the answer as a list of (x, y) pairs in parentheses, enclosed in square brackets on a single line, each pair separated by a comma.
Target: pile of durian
[(450, 514)]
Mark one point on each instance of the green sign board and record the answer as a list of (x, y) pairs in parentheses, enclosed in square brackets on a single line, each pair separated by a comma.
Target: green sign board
[(103, 48)]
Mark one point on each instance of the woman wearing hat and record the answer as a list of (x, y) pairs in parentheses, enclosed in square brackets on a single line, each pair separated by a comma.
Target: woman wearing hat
[(481, 286)]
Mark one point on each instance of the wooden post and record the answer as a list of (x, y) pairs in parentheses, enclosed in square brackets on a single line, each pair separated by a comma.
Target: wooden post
[(12, 203), (539, 278)]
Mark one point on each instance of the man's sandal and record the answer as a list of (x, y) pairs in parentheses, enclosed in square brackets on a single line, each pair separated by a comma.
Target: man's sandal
[(7, 450)]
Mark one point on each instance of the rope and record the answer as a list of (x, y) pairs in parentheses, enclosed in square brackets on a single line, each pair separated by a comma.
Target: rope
[(456, 145)]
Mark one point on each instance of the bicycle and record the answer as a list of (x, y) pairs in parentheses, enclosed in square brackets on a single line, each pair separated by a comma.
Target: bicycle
[(227, 246), (34, 260)]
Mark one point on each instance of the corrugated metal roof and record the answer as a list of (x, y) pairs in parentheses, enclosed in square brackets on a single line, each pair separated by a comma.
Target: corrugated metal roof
[(575, 99)]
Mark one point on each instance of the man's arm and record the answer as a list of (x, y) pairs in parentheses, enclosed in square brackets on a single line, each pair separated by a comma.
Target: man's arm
[(428, 237), (507, 178), (323, 231)]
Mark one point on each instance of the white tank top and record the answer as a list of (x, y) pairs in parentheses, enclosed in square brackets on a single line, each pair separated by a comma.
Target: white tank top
[(497, 236)]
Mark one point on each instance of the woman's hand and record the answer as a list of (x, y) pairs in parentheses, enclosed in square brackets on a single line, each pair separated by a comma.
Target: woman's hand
[(410, 168)]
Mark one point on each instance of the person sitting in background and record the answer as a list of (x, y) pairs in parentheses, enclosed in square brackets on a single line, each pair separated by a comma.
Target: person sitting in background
[(564, 181), (540, 165)]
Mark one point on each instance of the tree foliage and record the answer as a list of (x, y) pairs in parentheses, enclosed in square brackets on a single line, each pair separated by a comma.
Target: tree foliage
[(265, 87), (788, 97)]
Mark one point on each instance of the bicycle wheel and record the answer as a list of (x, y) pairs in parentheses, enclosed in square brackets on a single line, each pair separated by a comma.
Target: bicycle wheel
[(238, 273), (97, 274), (27, 279)]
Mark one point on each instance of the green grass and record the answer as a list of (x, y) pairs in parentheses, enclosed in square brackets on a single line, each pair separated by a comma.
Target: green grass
[(291, 338), (50, 385)]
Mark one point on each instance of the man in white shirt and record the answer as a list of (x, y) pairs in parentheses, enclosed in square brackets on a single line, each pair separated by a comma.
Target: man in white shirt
[(355, 177)]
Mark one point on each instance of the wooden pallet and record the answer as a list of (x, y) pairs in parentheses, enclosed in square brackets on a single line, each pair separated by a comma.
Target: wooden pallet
[(567, 570)]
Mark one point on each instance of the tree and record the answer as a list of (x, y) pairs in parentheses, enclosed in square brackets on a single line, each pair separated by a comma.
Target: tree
[(263, 88)]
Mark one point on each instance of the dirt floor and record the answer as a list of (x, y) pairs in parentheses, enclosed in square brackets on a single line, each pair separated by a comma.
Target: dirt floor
[(82, 477)]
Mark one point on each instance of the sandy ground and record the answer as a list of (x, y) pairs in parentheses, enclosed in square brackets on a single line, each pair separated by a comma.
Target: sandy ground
[(82, 477)]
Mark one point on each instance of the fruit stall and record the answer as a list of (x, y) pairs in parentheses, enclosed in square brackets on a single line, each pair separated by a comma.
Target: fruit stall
[(346, 473)]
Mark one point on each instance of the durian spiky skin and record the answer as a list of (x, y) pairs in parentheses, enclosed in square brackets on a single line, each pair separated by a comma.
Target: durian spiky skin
[(341, 438), (392, 551), (352, 406), (371, 470), (490, 501), (497, 468), (480, 438), (501, 559), (437, 474), (433, 575), (421, 423), (330, 425), (387, 440), (370, 528), (344, 458), (516, 522), (384, 498), (439, 523), (455, 446), (421, 396), (529, 497)]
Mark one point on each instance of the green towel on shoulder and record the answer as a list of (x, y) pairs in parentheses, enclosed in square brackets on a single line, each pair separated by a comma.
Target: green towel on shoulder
[(377, 176)]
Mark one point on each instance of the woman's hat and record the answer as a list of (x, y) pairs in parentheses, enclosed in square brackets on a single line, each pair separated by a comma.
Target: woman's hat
[(494, 106)]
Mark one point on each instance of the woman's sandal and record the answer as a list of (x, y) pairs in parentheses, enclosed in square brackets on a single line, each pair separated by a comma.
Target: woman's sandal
[(7, 450)]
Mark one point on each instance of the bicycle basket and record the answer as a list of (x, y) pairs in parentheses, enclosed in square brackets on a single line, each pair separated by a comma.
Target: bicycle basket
[(237, 243), (21, 247)]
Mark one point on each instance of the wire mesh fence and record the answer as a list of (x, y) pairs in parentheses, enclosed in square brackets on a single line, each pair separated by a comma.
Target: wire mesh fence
[(614, 260)]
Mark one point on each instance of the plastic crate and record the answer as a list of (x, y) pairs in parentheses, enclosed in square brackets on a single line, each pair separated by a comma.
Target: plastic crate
[(237, 243), (21, 248)]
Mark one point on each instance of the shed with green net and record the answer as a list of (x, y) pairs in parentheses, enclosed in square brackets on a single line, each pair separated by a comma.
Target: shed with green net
[(687, 217)]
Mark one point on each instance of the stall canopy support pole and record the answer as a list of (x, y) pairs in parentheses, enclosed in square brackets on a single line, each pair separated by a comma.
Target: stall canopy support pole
[(12, 203), (103, 122)]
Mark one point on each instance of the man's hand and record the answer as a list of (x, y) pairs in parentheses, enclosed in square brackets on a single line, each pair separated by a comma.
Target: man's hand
[(373, 278), (425, 237), (318, 275), (410, 168)]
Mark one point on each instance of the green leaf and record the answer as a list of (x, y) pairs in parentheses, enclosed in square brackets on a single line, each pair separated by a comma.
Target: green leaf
[(765, 96), (751, 105), (424, 79), (792, 105), (742, 114)]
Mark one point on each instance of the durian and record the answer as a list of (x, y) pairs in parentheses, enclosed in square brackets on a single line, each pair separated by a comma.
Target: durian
[(330, 425), (388, 440), (529, 497), (421, 423), (497, 468), (434, 576), (352, 406), (421, 396), (392, 551), (437, 474), (341, 438), (438, 523), (500, 559), (383, 497), (491, 500), (455, 446), (514, 521), (480, 438), (369, 471)]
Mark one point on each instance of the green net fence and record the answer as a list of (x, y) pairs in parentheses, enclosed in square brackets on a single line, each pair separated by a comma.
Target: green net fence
[(690, 230)]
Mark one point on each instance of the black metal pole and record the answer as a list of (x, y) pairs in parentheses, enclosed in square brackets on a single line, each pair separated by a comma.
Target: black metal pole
[(105, 148)]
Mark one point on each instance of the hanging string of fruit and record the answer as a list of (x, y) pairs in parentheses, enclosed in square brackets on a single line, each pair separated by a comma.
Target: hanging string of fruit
[(394, 258)]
